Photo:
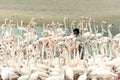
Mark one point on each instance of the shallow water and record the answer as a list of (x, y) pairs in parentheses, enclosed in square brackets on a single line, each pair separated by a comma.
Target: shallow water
[(115, 30)]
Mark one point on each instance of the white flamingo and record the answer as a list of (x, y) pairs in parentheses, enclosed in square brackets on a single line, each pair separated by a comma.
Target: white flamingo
[(65, 24), (7, 73)]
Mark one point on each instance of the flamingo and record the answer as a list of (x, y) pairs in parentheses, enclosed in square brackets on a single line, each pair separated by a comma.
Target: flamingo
[(4, 26), (83, 77), (24, 55), (114, 47), (24, 77), (65, 25), (32, 76), (69, 73), (21, 28), (7, 73), (103, 73), (109, 32), (103, 23)]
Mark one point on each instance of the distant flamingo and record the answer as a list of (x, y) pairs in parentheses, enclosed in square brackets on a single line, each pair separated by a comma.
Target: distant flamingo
[(65, 24)]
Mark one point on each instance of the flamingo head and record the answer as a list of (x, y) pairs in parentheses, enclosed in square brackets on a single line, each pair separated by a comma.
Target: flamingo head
[(110, 25)]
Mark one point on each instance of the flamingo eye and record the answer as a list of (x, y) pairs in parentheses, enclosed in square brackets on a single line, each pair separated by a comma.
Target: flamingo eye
[(21, 66)]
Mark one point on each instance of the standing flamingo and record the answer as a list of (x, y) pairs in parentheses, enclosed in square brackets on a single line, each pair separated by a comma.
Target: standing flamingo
[(65, 24)]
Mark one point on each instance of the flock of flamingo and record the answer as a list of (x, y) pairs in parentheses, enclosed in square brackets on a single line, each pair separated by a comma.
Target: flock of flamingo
[(54, 55)]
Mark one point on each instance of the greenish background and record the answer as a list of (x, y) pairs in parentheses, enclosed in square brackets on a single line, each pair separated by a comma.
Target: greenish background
[(56, 10)]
